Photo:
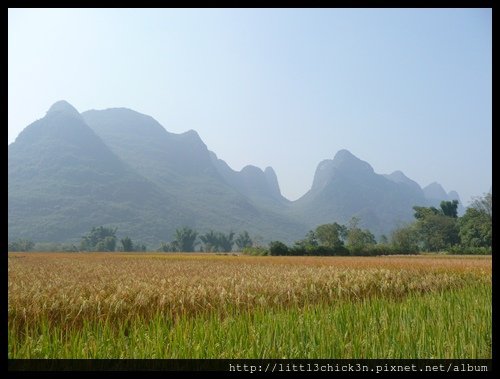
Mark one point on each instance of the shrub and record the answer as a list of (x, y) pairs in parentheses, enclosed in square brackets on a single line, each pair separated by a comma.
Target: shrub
[(457, 250), (298, 250), (278, 248)]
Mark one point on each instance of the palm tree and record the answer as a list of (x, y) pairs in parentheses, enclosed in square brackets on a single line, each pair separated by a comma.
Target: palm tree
[(185, 239), (243, 240), (225, 241), (210, 240)]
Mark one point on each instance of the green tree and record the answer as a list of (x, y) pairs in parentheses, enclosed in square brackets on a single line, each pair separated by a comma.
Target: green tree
[(357, 238), (309, 242), (243, 240), (278, 248), (484, 204), (423, 212), (306, 245), (475, 228), (185, 239), (405, 239), (99, 239), (331, 235), (127, 244), (436, 231), (210, 241), (107, 244), (449, 208), (225, 241)]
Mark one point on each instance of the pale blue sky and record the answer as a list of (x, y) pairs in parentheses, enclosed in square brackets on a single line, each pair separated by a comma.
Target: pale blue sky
[(404, 89)]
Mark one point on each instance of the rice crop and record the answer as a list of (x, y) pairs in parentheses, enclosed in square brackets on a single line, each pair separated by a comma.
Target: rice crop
[(96, 305)]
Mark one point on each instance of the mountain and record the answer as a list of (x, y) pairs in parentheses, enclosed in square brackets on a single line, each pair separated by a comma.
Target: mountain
[(435, 193), (399, 177), (183, 167), (175, 160), (68, 172), (63, 179), (139, 138), (453, 195), (260, 186), (346, 186)]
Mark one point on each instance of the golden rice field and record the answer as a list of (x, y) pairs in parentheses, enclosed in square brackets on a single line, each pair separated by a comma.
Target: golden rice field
[(138, 305)]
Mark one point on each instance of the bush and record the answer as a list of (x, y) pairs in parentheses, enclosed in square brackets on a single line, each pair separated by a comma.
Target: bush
[(340, 251), (379, 249), (167, 247), (278, 248), (99, 239), (457, 250), (298, 250)]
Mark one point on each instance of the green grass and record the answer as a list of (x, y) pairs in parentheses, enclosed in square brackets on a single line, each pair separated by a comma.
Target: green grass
[(454, 323)]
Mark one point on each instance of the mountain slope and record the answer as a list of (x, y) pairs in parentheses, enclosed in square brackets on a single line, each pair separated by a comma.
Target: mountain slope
[(260, 186), (347, 186), (62, 180), (183, 167), (435, 193), (68, 172), (400, 177)]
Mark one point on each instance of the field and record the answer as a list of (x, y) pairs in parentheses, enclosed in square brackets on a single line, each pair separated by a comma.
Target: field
[(113, 305)]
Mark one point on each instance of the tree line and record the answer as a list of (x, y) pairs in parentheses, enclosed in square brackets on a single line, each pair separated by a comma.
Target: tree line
[(187, 240), (104, 239), (433, 230)]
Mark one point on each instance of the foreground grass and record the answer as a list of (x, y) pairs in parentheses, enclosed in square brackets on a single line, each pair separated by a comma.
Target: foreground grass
[(131, 306), (450, 324)]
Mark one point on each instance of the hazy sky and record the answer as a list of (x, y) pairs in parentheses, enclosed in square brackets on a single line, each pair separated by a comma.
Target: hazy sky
[(407, 89)]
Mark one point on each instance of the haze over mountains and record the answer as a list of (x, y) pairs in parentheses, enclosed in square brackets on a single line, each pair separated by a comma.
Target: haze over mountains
[(116, 167)]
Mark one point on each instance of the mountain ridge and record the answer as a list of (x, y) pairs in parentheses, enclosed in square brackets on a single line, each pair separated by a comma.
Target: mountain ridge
[(185, 179), (62, 177)]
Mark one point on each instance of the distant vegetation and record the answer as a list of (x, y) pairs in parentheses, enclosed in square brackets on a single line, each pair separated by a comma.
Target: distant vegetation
[(434, 230), (21, 245), (99, 239), (185, 241)]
